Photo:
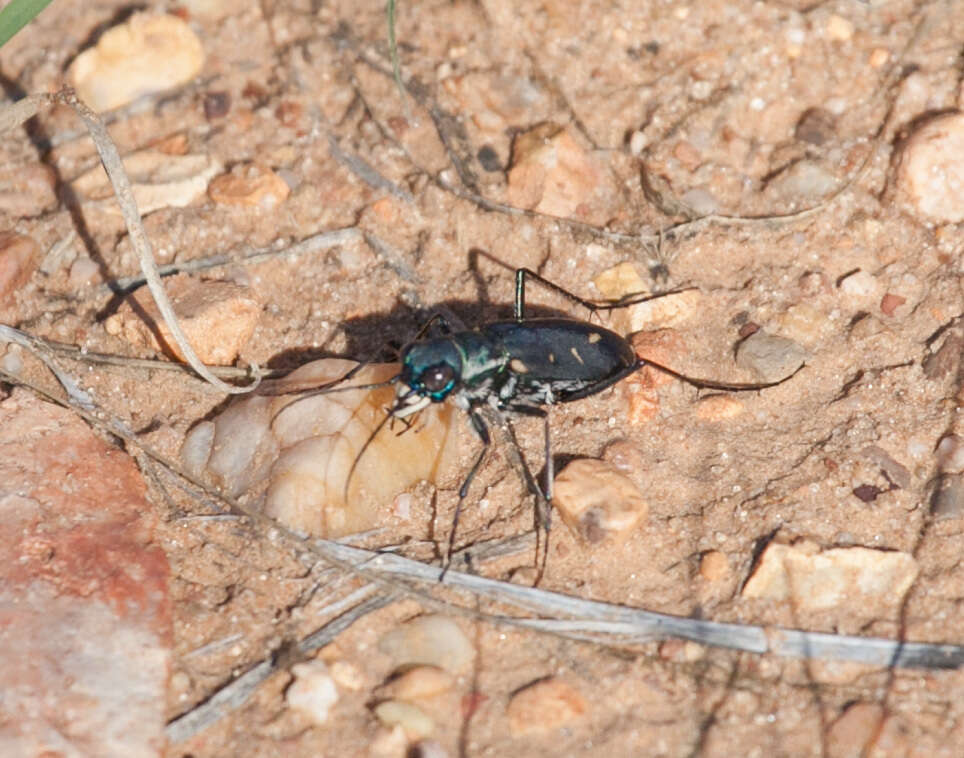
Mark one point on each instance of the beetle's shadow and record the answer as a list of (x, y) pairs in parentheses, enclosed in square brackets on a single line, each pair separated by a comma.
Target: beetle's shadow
[(377, 337), (380, 337)]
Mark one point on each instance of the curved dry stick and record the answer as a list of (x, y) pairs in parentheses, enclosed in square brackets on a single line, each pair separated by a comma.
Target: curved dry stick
[(140, 242)]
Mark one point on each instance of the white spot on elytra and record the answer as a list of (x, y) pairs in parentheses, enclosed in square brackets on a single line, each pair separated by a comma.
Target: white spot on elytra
[(518, 366)]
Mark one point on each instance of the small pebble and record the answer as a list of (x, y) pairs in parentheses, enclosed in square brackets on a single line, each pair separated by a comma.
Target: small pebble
[(638, 142), (812, 283), (687, 155), (625, 456), (865, 327), (681, 651), (816, 126), (19, 257), (347, 675), (667, 310), (83, 271), (930, 172), (948, 498), (197, 446), (210, 10), (545, 706), (803, 323), (837, 578), (714, 566), (878, 57), (941, 363), (313, 691), (701, 201), (252, 185), (216, 104), (896, 472), (890, 303), (432, 640), (642, 400), (418, 682), (144, 55), (839, 28), (859, 284), (413, 720), (806, 181), (12, 361), (950, 453), (597, 502), (180, 682), (719, 408), (770, 357), (619, 281)]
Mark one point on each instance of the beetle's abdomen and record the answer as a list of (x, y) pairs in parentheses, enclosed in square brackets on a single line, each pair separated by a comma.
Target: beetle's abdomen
[(566, 357)]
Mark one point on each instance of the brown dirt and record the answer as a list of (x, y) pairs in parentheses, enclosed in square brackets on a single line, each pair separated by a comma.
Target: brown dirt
[(717, 89)]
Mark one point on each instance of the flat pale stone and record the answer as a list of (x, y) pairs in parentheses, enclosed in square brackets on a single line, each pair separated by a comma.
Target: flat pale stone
[(144, 55), (839, 577)]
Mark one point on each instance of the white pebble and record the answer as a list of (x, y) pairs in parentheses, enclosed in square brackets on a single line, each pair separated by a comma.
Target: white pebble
[(313, 691), (950, 453), (638, 142), (859, 284), (12, 361), (930, 175), (197, 448), (433, 640), (413, 720)]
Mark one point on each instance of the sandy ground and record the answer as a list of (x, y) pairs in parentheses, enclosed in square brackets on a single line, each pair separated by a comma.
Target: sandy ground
[(667, 103)]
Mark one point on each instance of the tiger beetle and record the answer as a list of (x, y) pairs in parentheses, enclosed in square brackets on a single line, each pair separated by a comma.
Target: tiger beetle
[(518, 366)]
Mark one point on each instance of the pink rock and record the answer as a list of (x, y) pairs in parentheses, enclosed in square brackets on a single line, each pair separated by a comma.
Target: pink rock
[(85, 616), (19, 256), (552, 174), (252, 185), (545, 706), (217, 317)]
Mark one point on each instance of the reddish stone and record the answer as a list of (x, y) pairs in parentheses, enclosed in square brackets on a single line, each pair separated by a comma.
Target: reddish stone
[(19, 256), (85, 615)]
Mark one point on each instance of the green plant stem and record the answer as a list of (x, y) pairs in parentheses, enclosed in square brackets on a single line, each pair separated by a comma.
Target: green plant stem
[(16, 15)]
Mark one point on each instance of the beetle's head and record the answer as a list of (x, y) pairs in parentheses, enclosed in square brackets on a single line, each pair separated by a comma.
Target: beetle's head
[(430, 371)]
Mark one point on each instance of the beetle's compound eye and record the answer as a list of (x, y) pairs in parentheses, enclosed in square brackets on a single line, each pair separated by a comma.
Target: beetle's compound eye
[(438, 378)]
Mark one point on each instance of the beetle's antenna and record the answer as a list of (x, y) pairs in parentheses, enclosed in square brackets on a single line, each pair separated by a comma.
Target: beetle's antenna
[(399, 403), (278, 387), (710, 384)]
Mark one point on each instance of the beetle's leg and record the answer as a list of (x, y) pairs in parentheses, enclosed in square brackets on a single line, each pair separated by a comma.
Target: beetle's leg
[(520, 295), (483, 431), (546, 492), (436, 318)]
